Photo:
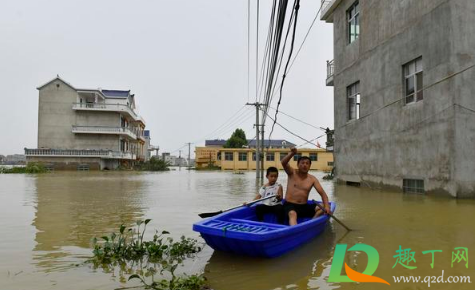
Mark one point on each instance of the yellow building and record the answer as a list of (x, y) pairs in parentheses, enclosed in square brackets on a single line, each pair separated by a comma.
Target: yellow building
[(245, 158)]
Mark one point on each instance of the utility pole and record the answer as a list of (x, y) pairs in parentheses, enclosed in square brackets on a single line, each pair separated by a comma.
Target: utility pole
[(258, 156), (264, 155), (179, 160), (189, 152)]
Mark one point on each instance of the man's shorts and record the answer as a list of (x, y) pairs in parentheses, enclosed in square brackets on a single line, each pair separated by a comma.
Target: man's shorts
[(302, 210)]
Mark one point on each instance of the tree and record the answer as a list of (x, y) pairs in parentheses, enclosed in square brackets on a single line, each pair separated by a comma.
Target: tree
[(237, 139), (154, 164)]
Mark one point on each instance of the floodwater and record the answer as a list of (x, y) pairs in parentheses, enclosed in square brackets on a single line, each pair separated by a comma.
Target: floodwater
[(47, 222)]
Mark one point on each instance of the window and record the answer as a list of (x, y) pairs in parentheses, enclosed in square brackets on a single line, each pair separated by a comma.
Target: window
[(313, 156), (83, 167), (270, 157), (297, 156), (282, 155), (219, 155), (242, 156), (413, 81), (413, 185), (228, 156), (353, 93), (353, 22), (330, 163), (253, 156)]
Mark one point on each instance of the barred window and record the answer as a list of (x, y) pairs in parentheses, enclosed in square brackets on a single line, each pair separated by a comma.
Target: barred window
[(413, 185)]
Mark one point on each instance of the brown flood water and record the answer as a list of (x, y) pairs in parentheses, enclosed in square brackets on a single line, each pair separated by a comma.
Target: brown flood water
[(47, 222)]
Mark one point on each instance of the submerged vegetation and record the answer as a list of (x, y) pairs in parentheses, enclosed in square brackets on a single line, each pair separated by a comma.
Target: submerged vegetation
[(30, 168), (154, 164), (145, 259)]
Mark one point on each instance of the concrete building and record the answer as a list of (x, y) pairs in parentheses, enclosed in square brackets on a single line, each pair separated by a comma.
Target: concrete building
[(87, 128), (148, 146), (403, 82), (14, 159), (237, 159)]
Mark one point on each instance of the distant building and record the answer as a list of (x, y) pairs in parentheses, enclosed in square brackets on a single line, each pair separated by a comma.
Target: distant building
[(166, 157), (245, 158), (87, 128), (14, 159), (148, 152), (174, 160), (404, 82)]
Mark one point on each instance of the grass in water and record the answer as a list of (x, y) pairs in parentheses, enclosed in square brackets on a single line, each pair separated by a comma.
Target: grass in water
[(146, 259)]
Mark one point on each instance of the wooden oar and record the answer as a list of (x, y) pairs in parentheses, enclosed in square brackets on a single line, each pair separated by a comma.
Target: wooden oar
[(332, 216), (210, 214)]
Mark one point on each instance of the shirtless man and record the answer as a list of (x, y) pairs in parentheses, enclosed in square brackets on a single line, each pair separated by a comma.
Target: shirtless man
[(298, 188)]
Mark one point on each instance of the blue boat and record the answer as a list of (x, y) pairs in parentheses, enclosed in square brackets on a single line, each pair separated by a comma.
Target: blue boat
[(238, 231)]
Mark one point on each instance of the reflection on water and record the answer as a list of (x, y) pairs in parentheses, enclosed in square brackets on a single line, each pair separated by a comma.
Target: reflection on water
[(298, 268), (47, 221), (72, 208)]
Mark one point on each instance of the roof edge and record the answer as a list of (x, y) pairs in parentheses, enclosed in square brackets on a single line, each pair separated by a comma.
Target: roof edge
[(56, 78), (328, 9)]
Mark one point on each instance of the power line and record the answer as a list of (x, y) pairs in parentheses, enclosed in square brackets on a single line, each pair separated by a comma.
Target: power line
[(270, 95), (303, 122), (225, 122), (306, 35), (267, 48), (271, 73), (301, 45), (244, 116), (294, 134), (248, 45), (297, 6), (257, 47), (232, 126)]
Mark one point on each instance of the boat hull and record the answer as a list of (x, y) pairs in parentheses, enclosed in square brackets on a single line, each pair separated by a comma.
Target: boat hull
[(238, 232)]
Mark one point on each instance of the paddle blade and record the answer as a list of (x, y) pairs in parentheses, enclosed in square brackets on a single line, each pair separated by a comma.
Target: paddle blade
[(209, 214)]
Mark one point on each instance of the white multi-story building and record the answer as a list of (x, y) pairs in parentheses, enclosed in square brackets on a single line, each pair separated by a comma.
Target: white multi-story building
[(87, 128)]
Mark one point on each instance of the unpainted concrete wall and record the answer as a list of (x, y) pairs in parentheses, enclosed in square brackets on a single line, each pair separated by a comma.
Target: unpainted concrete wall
[(56, 116), (392, 141)]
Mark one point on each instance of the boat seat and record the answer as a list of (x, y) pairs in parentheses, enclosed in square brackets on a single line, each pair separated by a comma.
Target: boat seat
[(256, 223)]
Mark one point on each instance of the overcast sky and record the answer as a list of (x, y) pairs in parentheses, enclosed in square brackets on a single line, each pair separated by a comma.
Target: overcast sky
[(185, 61)]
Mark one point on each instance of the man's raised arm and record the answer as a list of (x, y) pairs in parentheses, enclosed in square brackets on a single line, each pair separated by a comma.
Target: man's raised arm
[(285, 162)]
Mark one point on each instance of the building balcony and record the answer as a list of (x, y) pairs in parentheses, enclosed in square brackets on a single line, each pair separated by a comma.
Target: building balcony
[(104, 130), (99, 153), (103, 107), (330, 72), (141, 138)]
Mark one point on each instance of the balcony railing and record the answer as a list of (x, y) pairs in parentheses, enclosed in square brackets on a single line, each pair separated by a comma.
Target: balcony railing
[(105, 154), (107, 108), (330, 72), (104, 130)]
